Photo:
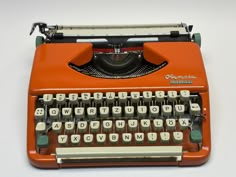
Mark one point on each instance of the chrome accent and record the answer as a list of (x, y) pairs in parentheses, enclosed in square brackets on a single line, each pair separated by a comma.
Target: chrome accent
[(130, 153)]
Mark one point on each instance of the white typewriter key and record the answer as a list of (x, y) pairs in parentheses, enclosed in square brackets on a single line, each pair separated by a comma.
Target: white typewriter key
[(122, 96), (129, 111), (110, 97), (92, 112), (142, 111), (61, 98), (94, 126), (184, 95), (54, 113), (170, 124), (104, 112), (107, 125), (166, 110), (165, 137), (75, 139), (73, 98), (85, 97), (178, 137), (184, 123), (126, 137), (116, 111), (135, 97), (160, 96), (132, 125), (120, 125), (179, 110), (154, 111), (39, 114), (69, 127), (40, 127), (171, 95), (101, 138), (195, 109), (97, 97), (147, 96), (145, 124), (48, 99), (66, 113), (62, 139), (152, 137), (139, 137), (158, 124), (113, 137), (57, 127), (82, 126), (88, 138), (79, 113)]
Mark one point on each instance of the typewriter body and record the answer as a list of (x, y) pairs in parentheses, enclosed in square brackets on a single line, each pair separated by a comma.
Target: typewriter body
[(118, 96)]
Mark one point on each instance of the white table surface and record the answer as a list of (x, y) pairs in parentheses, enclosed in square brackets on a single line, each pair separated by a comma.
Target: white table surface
[(214, 19)]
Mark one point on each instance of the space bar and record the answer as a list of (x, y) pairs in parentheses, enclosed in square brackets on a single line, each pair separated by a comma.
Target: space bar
[(130, 153)]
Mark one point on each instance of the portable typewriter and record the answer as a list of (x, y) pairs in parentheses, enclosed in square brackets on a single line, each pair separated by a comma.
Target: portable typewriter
[(118, 96)]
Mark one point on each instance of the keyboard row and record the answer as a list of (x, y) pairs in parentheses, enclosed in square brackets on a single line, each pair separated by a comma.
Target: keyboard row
[(110, 97), (113, 138), (117, 111), (132, 125)]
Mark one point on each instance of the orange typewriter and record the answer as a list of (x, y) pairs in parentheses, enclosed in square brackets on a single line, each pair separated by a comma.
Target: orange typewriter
[(118, 96)]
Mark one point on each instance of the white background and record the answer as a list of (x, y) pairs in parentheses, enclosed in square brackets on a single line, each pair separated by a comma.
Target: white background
[(214, 19)]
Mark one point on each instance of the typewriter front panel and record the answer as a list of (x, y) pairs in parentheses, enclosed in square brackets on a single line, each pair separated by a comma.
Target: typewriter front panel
[(157, 119), (184, 69)]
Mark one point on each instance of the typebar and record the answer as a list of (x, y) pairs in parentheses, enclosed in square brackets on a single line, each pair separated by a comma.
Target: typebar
[(118, 154)]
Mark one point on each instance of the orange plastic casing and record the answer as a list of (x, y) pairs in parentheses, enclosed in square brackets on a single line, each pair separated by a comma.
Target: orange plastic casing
[(52, 74)]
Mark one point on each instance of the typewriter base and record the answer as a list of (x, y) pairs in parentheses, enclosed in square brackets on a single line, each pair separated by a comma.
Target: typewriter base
[(60, 78), (50, 163)]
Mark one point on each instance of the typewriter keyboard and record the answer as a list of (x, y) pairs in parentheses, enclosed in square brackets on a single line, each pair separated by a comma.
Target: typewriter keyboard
[(119, 121)]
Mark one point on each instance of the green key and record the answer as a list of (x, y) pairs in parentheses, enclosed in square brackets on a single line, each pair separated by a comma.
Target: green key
[(196, 136), (42, 141)]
